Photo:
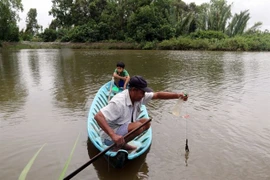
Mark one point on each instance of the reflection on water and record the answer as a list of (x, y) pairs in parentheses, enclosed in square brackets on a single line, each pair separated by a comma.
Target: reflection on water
[(45, 96), (13, 91), (136, 169)]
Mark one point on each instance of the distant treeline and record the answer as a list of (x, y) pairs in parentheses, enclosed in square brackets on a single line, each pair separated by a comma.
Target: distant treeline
[(158, 24)]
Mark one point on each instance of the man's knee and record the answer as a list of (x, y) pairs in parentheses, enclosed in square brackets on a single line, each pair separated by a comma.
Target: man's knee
[(146, 126)]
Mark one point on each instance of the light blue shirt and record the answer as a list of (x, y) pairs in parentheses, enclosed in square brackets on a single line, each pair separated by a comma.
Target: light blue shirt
[(120, 110)]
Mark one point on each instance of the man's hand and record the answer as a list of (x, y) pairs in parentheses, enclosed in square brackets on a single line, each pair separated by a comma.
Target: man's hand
[(119, 140), (183, 96)]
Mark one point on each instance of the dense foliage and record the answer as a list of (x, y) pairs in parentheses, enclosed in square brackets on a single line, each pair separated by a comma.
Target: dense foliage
[(247, 42), (9, 30), (165, 24)]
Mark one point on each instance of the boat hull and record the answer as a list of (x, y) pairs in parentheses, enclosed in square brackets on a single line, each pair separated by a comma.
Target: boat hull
[(116, 158)]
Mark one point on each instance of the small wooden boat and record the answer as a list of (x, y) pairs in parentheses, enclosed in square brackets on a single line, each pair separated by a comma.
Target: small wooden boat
[(121, 157)]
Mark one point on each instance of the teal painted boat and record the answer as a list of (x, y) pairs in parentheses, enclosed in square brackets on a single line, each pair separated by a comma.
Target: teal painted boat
[(121, 157)]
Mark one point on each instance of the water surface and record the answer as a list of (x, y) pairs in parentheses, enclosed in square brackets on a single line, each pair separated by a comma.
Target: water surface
[(45, 96)]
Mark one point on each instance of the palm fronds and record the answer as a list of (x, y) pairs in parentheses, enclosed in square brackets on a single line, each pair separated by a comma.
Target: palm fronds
[(238, 23), (255, 27)]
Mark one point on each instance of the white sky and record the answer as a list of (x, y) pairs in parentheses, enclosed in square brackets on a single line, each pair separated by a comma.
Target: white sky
[(257, 8)]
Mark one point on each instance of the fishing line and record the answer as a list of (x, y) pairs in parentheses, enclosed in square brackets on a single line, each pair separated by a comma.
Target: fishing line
[(186, 145), (186, 117), (177, 111)]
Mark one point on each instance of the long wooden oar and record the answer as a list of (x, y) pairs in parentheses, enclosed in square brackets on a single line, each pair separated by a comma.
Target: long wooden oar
[(112, 82), (103, 152)]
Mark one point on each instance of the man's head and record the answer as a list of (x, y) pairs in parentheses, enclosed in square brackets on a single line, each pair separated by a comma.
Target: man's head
[(137, 88), (120, 66)]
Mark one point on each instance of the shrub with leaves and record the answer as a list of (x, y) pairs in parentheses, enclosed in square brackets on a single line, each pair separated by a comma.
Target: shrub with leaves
[(208, 35)]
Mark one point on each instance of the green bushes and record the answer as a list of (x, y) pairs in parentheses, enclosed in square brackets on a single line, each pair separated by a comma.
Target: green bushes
[(201, 40), (83, 33), (49, 35), (233, 44), (258, 41), (149, 45), (184, 43), (255, 42), (208, 35), (90, 32), (217, 41), (9, 33)]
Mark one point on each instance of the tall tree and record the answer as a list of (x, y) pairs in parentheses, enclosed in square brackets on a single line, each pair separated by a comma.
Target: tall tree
[(32, 26), (62, 11), (219, 15), (70, 13), (87, 10), (144, 25), (181, 16), (9, 30), (214, 16), (202, 16)]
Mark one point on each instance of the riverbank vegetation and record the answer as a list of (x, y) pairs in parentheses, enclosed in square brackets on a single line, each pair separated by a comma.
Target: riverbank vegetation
[(140, 24)]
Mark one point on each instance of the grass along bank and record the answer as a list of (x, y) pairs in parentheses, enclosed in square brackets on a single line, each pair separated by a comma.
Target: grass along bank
[(251, 42), (59, 45)]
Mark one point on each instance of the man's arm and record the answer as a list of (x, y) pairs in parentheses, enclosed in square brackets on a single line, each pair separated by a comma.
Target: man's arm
[(99, 117), (169, 95)]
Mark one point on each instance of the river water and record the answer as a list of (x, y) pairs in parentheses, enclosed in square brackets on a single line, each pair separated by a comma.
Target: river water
[(45, 96)]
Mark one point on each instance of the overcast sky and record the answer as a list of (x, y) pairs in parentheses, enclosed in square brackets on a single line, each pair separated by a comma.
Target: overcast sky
[(257, 8)]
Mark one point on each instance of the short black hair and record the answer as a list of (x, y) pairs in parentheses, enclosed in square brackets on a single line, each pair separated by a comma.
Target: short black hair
[(120, 64)]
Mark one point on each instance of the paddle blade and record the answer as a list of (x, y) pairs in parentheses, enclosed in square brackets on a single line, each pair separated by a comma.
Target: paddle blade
[(29, 165), (178, 107)]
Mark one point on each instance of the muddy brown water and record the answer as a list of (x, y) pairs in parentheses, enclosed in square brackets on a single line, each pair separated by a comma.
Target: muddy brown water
[(45, 96)]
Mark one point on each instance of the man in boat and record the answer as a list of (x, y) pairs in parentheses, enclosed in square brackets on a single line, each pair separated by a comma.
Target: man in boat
[(121, 76), (120, 115)]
